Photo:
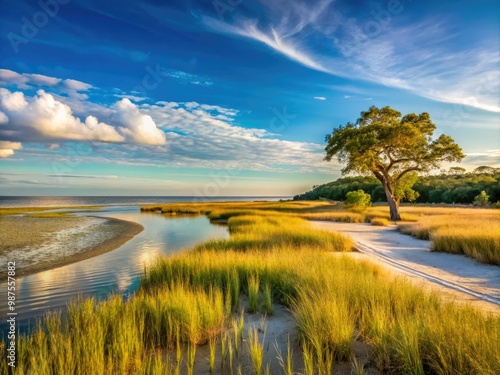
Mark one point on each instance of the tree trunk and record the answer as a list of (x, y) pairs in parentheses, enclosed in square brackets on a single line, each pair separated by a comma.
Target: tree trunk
[(393, 205)]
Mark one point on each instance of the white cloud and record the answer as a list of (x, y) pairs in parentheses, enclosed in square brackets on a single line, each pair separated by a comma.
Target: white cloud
[(76, 85), (41, 80), (139, 127), (184, 77), (319, 98), (347, 96), (3, 118), (26, 80), (133, 98), (43, 118), (272, 38), (6, 153), (7, 148), (12, 101)]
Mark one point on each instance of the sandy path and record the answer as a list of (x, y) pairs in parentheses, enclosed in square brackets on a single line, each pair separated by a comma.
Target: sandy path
[(463, 278)]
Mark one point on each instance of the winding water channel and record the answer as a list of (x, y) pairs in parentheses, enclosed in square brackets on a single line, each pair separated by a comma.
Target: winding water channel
[(118, 271)]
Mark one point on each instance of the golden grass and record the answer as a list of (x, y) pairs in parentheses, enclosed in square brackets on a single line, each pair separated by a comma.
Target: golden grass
[(22, 210), (471, 232), (207, 208), (379, 221), (49, 214), (188, 300)]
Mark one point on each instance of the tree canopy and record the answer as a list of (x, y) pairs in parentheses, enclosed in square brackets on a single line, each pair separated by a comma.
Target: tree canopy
[(390, 146), (440, 188)]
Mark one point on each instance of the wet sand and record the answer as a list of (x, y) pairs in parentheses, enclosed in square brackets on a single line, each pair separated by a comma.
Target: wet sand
[(38, 244)]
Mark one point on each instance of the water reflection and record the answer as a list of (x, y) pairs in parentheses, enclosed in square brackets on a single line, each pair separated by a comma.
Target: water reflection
[(118, 271)]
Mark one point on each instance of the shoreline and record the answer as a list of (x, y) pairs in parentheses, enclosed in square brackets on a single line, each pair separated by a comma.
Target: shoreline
[(125, 231)]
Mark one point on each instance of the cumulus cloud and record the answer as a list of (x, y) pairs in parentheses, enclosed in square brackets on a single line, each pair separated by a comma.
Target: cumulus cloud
[(139, 127), (12, 101), (43, 118), (3, 118), (7, 148)]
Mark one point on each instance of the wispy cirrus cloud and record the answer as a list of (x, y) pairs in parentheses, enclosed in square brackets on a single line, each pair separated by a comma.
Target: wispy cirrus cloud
[(187, 78), (322, 98), (423, 57)]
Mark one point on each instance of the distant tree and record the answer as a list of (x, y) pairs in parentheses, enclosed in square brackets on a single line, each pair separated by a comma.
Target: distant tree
[(389, 146), (482, 199), (456, 171), (485, 169), (358, 198)]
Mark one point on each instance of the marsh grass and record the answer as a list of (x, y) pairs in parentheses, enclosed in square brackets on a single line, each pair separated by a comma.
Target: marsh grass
[(471, 232), (183, 303), (237, 336), (381, 222), (49, 214), (256, 349), (22, 210), (212, 342), (308, 357), (286, 363), (253, 294), (268, 299)]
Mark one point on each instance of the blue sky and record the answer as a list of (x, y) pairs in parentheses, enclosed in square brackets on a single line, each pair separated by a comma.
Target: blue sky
[(229, 97)]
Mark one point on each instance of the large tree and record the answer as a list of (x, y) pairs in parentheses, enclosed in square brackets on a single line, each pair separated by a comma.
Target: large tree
[(392, 148)]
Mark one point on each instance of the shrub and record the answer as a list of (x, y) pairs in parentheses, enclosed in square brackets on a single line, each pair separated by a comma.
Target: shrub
[(482, 199), (358, 198)]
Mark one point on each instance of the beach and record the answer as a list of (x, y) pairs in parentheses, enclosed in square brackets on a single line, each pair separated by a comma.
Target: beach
[(38, 244)]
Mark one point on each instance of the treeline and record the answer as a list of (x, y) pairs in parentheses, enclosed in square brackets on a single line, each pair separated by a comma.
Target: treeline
[(455, 186)]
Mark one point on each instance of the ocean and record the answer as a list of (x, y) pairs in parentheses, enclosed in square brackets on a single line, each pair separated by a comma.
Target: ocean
[(46, 201)]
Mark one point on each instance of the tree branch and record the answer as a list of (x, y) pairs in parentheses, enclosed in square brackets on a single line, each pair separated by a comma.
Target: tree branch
[(406, 171)]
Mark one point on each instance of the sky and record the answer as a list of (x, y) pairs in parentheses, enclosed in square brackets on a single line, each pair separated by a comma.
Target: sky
[(230, 97)]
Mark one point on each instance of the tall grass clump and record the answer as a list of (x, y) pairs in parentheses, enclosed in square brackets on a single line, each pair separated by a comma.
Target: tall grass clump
[(268, 299), (253, 294), (286, 363), (256, 349), (327, 325), (381, 222)]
